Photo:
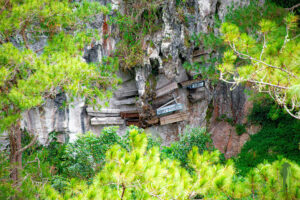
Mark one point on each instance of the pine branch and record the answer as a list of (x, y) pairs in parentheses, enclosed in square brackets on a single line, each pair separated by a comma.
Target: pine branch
[(4, 6), (292, 8), (260, 61)]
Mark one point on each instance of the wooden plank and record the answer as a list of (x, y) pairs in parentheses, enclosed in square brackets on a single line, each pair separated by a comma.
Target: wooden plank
[(98, 114), (124, 94), (134, 123), (126, 115), (126, 101), (169, 109), (166, 89), (189, 82), (102, 110), (198, 59), (196, 85), (107, 121), (199, 52), (177, 117)]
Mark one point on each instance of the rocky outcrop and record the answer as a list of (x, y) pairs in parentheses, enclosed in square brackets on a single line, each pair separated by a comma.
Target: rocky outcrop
[(230, 109), (163, 65)]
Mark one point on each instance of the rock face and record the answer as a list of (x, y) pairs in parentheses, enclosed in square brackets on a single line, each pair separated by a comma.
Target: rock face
[(165, 56)]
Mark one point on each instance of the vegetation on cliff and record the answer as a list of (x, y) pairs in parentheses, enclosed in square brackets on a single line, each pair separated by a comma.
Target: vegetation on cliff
[(261, 51)]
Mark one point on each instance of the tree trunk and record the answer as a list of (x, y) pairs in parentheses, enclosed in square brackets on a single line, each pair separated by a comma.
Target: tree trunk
[(15, 154)]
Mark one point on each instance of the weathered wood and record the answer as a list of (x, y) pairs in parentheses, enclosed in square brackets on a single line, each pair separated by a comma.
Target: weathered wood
[(153, 121), (166, 89), (99, 114), (102, 110), (189, 82), (124, 94), (197, 59), (126, 101), (177, 117), (134, 123), (199, 52), (196, 85), (161, 100), (169, 109), (107, 121), (126, 115)]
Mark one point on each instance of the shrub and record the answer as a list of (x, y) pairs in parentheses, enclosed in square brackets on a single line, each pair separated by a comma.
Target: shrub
[(240, 129), (192, 137), (141, 174), (279, 136)]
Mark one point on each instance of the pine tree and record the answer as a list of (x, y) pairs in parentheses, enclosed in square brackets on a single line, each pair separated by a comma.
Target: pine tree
[(139, 173), (28, 77), (270, 63)]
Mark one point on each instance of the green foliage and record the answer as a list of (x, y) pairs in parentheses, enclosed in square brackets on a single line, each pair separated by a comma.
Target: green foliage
[(191, 137), (140, 20), (87, 154), (141, 174), (27, 77), (240, 129), (265, 54), (135, 169), (247, 18), (279, 136)]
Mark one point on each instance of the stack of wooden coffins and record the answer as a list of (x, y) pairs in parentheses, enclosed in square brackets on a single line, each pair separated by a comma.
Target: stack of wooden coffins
[(197, 89), (170, 111), (119, 115), (105, 116), (131, 117)]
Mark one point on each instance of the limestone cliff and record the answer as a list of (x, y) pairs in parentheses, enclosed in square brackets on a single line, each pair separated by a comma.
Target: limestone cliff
[(163, 65)]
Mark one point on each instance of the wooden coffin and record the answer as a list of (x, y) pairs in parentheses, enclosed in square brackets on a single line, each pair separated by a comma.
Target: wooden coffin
[(104, 112), (134, 123), (107, 121), (129, 114), (124, 94), (166, 89), (196, 85), (193, 84), (197, 55), (152, 121), (173, 118), (169, 109), (128, 101)]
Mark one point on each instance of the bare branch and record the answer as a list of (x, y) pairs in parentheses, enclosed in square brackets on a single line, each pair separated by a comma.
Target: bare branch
[(27, 146), (293, 115), (269, 84), (264, 46), (262, 62), (292, 8)]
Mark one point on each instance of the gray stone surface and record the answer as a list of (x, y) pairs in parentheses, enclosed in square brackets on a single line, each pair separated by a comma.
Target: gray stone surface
[(166, 55)]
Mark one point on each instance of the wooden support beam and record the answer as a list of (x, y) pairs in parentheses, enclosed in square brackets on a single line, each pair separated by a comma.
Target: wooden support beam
[(166, 89), (177, 117), (107, 121), (126, 115)]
